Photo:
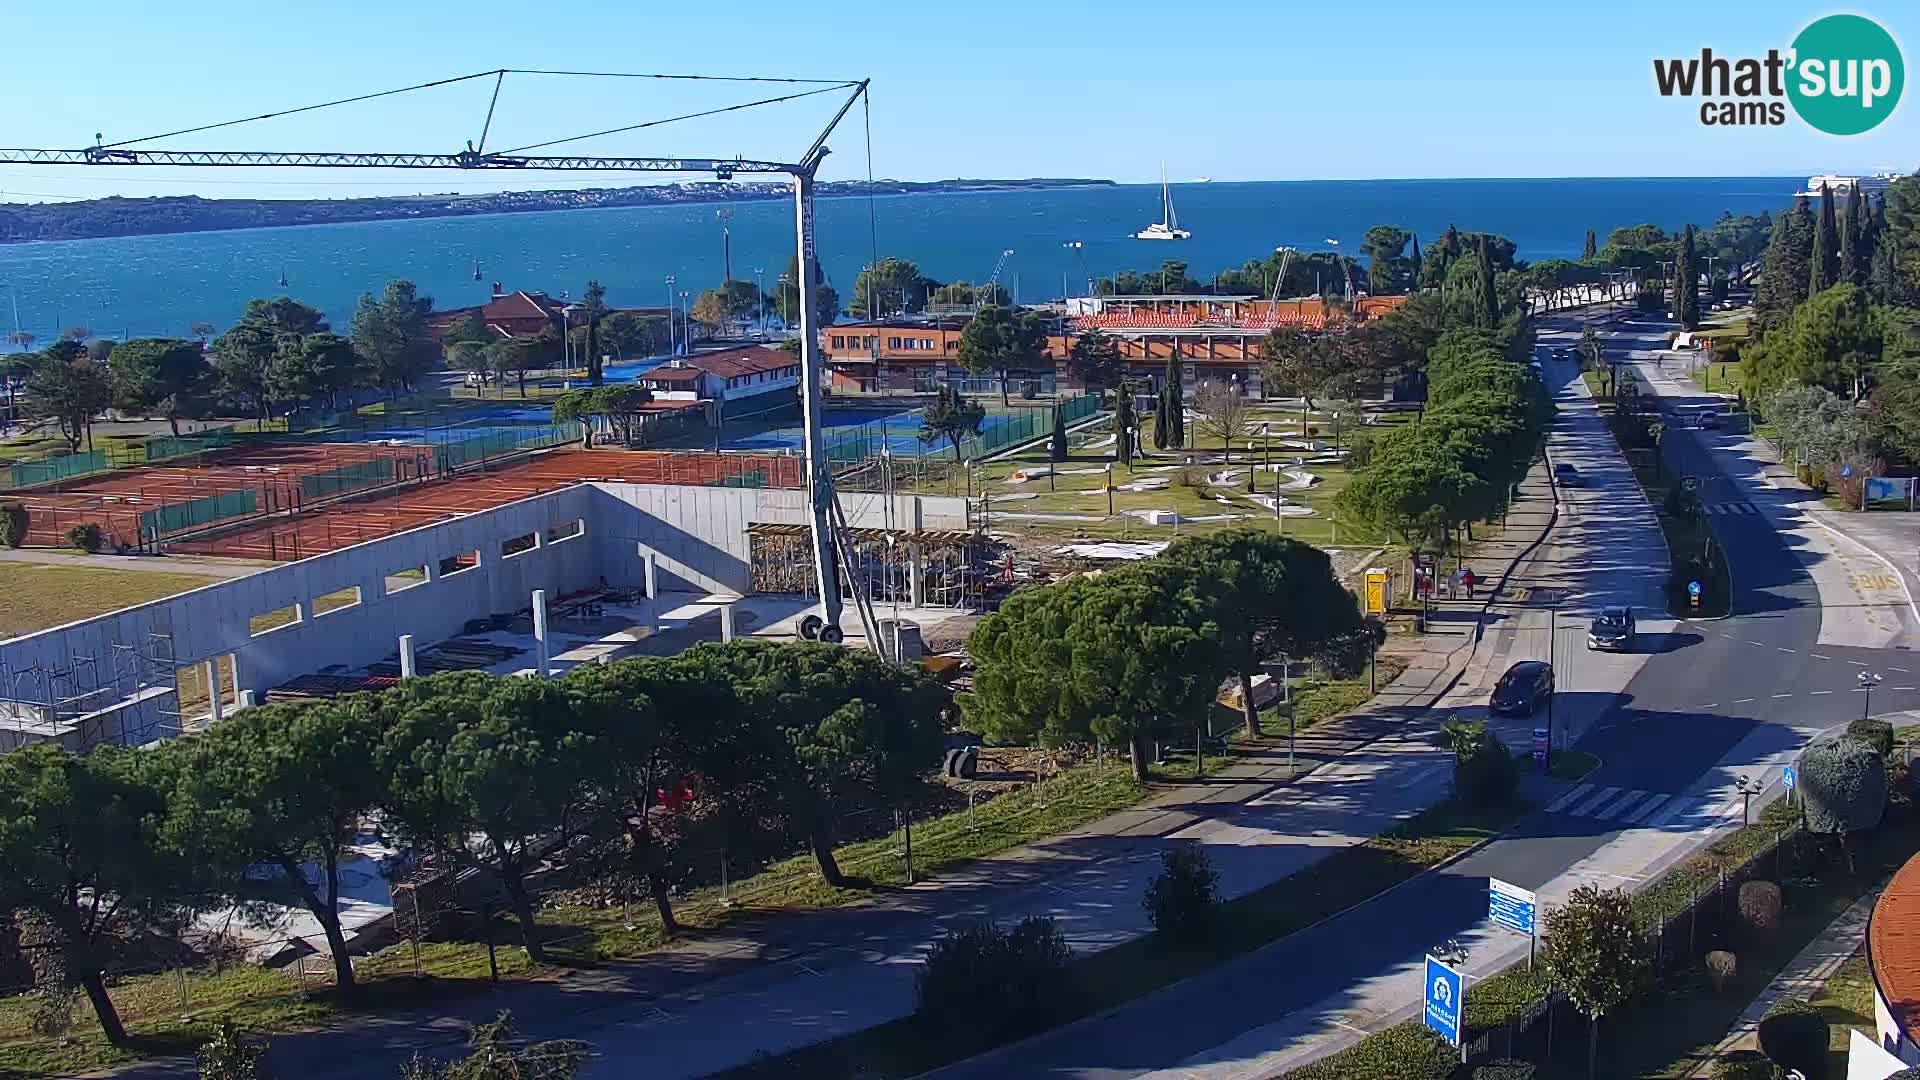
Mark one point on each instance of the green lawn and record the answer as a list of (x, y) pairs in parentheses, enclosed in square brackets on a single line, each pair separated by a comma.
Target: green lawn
[(34, 596), (1107, 979)]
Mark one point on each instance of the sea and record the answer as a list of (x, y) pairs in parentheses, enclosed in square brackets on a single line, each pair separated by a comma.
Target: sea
[(162, 285)]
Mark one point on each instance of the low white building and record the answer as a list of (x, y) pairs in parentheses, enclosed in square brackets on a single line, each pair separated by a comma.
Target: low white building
[(730, 375)]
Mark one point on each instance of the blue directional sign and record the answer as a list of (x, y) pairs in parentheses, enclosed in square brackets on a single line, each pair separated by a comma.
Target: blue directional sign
[(1693, 588), (1445, 993), (1510, 906), (1789, 777), (1846, 470)]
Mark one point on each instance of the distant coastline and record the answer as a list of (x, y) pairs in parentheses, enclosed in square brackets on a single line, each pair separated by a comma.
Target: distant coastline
[(89, 219)]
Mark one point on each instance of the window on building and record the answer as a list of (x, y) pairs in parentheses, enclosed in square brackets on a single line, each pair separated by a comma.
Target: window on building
[(839, 341), (893, 343)]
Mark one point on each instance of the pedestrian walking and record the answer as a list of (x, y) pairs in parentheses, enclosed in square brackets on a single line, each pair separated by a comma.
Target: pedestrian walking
[(1466, 581)]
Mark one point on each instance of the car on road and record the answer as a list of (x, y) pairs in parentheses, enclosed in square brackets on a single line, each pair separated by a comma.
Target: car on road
[(1567, 475), (1523, 689), (1612, 630)]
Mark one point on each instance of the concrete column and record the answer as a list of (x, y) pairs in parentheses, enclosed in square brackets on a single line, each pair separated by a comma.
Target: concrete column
[(210, 671), (406, 656), (726, 620), (245, 702), (540, 630), (652, 561)]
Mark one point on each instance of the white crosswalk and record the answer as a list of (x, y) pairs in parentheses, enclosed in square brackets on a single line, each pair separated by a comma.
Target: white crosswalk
[(1730, 508), (1645, 809)]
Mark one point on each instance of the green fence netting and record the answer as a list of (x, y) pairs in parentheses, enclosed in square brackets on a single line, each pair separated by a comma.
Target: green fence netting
[(175, 517), (456, 453), (59, 467), (353, 477), (169, 447)]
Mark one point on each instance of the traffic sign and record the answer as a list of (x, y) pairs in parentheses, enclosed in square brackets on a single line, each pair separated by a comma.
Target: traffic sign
[(1445, 990), (1693, 588), (1846, 471), (1789, 778), (1510, 906)]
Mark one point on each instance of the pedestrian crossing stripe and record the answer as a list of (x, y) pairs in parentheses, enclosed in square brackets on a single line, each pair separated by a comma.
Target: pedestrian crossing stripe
[(1730, 508), (1648, 809)]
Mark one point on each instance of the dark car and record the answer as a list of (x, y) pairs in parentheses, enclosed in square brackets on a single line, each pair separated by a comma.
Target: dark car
[(1612, 629), (1523, 689), (1567, 475)]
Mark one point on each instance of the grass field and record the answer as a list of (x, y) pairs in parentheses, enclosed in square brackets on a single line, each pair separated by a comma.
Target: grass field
[(34, 596)]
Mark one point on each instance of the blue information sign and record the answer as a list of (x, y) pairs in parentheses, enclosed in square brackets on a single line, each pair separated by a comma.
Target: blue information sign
[(1693, 588), (1510, 906), (1444, 993), (1789, 777)]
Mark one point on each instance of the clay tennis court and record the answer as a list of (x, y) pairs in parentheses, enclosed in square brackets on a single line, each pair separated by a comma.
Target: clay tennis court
[(347, 523), (115, 500)]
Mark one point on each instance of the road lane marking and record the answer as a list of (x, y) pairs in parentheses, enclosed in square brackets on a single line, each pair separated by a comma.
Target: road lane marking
[(1903, 688), (1819, 656), (1579, 792), (1603, 795), (1817, 693), (1742, 701), (1901, 670), (1857, 663), (1646, 811), (1783, 648), (1782, 695)]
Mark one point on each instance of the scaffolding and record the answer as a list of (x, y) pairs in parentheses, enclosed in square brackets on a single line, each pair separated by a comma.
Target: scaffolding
[(78, 702), (956, 565)]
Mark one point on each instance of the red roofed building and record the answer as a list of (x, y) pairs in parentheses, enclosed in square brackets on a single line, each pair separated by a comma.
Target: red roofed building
[(520, 313), (729, 375)]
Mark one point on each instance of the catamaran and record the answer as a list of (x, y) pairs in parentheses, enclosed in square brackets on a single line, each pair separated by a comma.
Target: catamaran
[(1168, 227)]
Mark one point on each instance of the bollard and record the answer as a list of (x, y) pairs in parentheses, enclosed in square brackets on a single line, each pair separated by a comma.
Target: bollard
[(406, 656), (726, 621)]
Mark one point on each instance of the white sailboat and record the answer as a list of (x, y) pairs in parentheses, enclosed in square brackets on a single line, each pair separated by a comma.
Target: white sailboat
[(1168, 227)]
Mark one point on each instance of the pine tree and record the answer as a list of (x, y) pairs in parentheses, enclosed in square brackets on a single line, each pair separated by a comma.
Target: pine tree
[(1687, 276), (1592, 247), (1825, 265), (1176, 402), (1784, 267), (1854, 252), (1882, 279)]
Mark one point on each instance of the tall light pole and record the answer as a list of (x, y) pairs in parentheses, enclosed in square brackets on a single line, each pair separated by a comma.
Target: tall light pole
[(673, 342), (686, 325), (726, 246), (760, 294), (1076, 246)]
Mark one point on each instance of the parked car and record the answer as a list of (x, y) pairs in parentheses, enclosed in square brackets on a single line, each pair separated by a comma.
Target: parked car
[(1613, 629), (1523, 689), (1567, 475)]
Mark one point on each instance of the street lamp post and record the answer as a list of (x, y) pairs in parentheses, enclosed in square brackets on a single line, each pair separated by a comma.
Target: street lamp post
[(1553, 641), (1748, 788), (1868, 680), (686, 326), (760, 294)]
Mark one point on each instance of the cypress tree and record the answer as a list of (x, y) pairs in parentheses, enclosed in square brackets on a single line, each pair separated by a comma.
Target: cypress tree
[(1882, 281), (1161, 426), (1825, 263), (1592, 247), (1413, 282), (1123, 421), (1058, 446), (1784, 267), (1489, 298), (1176, 402), (1854, 253), (1687, 300)]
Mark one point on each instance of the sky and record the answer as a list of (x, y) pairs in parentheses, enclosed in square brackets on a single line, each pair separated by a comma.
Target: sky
[(1279, 91)]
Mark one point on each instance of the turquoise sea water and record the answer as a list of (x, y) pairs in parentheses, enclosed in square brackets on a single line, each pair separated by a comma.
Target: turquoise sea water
[(161, 285)]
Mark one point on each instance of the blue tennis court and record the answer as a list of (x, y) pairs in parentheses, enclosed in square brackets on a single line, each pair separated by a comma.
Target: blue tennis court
[(854, 433)]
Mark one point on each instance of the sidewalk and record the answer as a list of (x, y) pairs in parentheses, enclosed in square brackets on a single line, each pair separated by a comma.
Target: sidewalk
[(788, 980)]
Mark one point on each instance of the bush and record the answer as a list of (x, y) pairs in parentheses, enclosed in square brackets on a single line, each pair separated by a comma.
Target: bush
[(1760, 904), (13, 524), (87, 537), (227, 1056), (1183, 898), (1793, 1035), (1030, 389), (1875, 733), (1484, 773), (1744, 1065), (998, 982), (1403, 1052), (1504, 1069), (1722, 966), (1843, 783)]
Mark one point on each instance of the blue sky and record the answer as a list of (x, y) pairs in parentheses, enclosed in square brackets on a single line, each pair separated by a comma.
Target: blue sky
[(1236, 92)]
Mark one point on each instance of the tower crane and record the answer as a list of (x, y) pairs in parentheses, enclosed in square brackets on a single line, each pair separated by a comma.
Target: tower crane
[(993, 279)]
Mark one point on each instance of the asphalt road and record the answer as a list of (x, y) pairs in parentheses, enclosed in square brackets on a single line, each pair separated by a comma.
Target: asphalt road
[(1710, 687)]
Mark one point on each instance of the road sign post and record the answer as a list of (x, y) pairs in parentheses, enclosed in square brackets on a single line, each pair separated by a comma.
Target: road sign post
[(1790, 779), (1693, 595), (1445, 996), (1516, 909)]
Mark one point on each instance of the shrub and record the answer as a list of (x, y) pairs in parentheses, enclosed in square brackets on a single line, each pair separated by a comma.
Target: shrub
[(1504, 1069), (1403, 1052), (87, 537), (1000, 982), (1843, 783), (1722, 966), (227, 1056), (13, 524), (1760, 904), (1484, 773), (1875, 733), (1793, 1035), (1744, 1065), (1183, 897), (1030, 389)]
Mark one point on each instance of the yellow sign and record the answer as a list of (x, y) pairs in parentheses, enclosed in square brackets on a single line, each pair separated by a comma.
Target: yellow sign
[(1379, 590)]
